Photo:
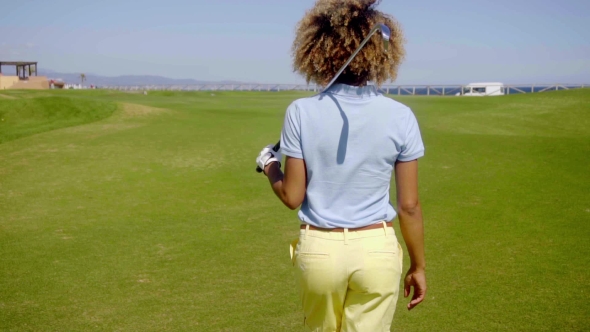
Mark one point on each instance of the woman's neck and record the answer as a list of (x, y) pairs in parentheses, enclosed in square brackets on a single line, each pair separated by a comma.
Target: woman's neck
[(351, 80)]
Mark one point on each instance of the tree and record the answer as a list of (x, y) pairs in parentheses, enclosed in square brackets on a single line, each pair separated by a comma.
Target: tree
[(82, 78)]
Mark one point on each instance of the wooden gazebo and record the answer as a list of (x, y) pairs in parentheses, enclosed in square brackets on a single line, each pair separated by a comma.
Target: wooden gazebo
[(23, 68)]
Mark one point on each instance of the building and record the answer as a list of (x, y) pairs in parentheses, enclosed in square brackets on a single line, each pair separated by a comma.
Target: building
[(25, 78)]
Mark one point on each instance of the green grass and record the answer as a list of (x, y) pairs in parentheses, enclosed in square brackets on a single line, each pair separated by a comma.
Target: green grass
[(127, 212), (25, 117)]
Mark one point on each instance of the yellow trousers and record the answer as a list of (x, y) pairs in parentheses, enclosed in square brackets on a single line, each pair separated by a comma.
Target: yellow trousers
[(348, 281)]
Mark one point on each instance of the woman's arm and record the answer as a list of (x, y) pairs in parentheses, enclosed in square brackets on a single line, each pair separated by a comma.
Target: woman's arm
[(289, 187), (410, 219)]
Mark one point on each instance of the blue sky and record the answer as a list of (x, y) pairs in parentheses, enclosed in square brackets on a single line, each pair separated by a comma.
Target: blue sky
[(448, 42)]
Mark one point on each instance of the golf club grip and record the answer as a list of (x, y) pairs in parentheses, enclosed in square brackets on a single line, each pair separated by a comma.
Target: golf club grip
[(275, 149)]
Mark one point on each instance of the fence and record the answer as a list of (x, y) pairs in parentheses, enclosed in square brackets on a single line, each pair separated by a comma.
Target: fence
[(400, 90)]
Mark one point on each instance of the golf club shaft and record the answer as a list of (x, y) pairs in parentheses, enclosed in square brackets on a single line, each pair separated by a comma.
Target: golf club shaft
[(385, 32), (381, 27)]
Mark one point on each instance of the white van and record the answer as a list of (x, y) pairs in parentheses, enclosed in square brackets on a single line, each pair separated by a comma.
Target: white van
[(482, 89)]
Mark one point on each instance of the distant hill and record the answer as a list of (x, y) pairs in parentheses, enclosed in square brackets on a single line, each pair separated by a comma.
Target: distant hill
[(92, 79)]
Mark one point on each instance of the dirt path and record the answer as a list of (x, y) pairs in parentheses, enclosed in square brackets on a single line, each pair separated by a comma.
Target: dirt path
[(136, 110)]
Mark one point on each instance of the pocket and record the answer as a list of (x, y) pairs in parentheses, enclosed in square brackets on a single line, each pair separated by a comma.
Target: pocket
[(316, 269), (392, 256), (400, 256), (383, 252), (310, 257), (387, 247), (313, 255), (292, 250), (384, 255)]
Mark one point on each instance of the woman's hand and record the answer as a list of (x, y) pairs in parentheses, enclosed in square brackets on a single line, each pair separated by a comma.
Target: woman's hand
[(415, 278), (267, 156)]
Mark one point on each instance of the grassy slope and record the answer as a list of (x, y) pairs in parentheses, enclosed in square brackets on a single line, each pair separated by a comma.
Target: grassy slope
[(25, 117), (154, 219)]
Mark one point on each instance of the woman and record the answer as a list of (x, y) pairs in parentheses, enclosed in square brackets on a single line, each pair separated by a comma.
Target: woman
[(341, 148)]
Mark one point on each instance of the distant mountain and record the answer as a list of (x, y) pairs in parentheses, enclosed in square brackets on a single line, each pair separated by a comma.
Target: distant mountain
[(92, 79)]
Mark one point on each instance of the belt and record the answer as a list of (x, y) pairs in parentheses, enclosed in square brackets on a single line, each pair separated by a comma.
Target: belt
[(340, 230)]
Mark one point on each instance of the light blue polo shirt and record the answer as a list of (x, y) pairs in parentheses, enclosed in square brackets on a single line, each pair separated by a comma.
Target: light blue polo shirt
[(350, 138)]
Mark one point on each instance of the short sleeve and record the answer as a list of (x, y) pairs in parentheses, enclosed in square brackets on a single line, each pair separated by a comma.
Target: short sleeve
[(291, 133), (413, 147)]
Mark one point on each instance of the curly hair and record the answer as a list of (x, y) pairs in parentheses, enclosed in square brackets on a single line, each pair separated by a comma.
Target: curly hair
[(332, 30)]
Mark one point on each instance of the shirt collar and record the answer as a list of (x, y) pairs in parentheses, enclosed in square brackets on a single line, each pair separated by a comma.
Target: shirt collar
[(353, 91)]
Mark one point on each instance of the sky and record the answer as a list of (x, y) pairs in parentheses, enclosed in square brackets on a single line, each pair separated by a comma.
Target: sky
[(448, 42)]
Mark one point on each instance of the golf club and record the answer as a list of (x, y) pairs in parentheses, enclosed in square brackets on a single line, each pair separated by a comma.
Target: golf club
[(385, 34)]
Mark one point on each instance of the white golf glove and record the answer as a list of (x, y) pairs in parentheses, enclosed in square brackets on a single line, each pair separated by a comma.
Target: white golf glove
[(267, 156)]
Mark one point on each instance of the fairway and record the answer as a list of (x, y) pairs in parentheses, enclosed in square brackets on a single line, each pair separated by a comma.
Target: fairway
[(131, 212)]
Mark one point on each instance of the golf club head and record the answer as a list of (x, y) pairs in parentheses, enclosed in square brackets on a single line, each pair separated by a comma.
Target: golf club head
[(386, 34)]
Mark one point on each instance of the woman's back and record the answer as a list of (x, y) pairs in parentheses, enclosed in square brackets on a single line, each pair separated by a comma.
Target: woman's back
[(341, 148), (350, 138)]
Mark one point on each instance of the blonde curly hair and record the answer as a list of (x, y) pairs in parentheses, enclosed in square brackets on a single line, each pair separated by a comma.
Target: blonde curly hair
[(332, 30)]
